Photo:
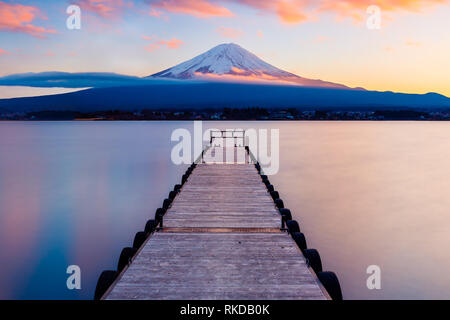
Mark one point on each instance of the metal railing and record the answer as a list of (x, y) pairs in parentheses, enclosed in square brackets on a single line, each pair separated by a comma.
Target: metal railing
[(237, 134)]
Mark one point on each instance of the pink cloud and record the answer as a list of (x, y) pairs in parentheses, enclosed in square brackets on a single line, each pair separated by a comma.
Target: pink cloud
[(346, 6), (152, 47), (156, 13), (229, 32), (412, 43), (110, 9), (356, 9), (197, 8), (289, 11), (155, 44), (172, 43), (19, 18), (243, 76), (297, 11), (292, 11), (3, 52), (320, 38)]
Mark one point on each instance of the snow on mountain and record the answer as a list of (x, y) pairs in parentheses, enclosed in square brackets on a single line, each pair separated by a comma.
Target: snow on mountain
[(230, 62)]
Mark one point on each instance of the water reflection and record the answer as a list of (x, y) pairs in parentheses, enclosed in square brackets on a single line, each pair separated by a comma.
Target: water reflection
[(75, 193), (371, 193), (365, 193)]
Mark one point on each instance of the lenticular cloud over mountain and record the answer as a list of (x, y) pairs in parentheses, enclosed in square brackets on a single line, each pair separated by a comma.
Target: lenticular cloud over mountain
[(230, 62)]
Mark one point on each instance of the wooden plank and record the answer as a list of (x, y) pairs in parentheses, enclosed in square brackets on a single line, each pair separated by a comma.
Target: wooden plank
[(221, 155), (221, 239), (223, 196), (218, 266), (220, 230)]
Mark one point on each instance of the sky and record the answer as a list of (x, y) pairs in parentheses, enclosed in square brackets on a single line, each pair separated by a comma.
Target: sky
[(318, 39)]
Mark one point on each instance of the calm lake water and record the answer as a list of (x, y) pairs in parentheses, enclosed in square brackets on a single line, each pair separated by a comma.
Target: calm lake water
[(365, 193)]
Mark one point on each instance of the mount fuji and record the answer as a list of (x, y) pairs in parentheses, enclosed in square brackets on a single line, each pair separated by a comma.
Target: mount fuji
[(224, 63), (227, 76), (232, 63)]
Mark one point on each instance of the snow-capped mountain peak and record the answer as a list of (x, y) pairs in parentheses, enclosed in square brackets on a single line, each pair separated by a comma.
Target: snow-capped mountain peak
[(223, 59), (231, 62)]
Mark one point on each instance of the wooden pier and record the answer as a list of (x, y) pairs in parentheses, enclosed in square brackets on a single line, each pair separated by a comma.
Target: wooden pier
[(221, 239)]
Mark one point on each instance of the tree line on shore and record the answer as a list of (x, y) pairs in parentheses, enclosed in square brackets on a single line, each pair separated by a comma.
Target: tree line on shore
[(231, 114)]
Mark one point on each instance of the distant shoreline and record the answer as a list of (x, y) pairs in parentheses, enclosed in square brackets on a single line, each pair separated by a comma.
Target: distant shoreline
[(234, 120), (229, 114)]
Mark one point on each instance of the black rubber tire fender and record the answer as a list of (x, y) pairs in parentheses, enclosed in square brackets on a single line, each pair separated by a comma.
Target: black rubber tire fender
[(150, 226), (125, 257), (166, 204), (279, 203), (292, 226), (313, 259), (275, 195), (172, 195), (286, 214), (139, 239), (331, 283), (160, 212), (105, 280), (300, 240)]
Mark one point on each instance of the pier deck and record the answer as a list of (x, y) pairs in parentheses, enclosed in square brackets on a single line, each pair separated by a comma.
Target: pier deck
[(221, 239)]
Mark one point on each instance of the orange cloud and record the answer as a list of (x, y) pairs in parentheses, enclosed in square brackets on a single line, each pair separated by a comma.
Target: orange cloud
[(158, 44), (320, 38), (156, 13), (297, 11), (197, 8), (356, 9), (236, 77), (236, 70), (412, 43), (19, 18), (292, 11), (243, 76), (229, 32), (172, 43), (110, 9), (288, 11)]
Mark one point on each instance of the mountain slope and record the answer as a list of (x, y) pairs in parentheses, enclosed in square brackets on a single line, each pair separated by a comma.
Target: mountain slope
[(249, 82), (230, 62), (214, 95)]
